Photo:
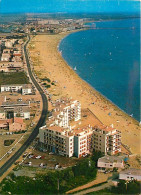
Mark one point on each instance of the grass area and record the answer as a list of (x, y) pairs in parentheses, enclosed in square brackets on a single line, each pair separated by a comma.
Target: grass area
[(57, 182), (132, 187), (8, 142), (13, 78), (103, 192)]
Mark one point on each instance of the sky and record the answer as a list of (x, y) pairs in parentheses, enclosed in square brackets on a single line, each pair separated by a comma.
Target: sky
[(72, 6)]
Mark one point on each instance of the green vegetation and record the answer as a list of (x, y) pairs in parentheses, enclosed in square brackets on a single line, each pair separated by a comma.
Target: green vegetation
[(133, 187), (57, 182), (8, 142), (46, 79), (13, 78), (96, 155), (49, 81), (47, 86), (19, 132)]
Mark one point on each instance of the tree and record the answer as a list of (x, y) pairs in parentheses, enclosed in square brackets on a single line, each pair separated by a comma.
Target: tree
[(96, 155)]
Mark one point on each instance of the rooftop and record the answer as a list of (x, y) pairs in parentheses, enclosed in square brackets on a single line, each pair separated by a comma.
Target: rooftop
[(131, 171), (111, 159)]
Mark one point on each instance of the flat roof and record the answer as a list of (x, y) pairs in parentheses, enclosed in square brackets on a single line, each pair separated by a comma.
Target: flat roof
[(111, 159), (131, 171)]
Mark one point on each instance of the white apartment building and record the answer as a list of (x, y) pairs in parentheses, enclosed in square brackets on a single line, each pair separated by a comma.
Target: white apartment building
[(25, 89), (57, 140), (106, 140), (60, 137), (82, 141), (110, 162), (11, 88), (66, 142), (66, 111)]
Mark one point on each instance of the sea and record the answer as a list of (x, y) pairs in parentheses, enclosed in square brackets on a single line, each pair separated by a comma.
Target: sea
[(107, 56)]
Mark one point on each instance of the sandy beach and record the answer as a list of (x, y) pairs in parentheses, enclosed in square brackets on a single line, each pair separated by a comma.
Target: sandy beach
[(48, 62)]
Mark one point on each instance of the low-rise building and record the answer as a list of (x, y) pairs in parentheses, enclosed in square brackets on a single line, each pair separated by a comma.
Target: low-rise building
[(110, 162), (9, 43), (11, 88), (15, 109), (22, 112), (130, 174), (13, 124), (4, 124), (11, 66), (14, 104), (25, 89), (17, 125), (2, 113), (5, 57)]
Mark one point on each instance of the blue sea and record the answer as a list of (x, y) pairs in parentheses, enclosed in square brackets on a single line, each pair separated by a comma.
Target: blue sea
[(108, 58)]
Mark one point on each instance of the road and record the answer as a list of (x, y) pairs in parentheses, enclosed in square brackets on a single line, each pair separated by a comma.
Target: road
[(40, 123)]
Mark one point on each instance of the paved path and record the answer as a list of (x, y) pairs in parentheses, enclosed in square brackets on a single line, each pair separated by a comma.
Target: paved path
[(94, 189), (40, 123), (101, 177)]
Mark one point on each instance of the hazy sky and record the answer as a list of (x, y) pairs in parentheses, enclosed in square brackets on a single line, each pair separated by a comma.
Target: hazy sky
[(21, 6)]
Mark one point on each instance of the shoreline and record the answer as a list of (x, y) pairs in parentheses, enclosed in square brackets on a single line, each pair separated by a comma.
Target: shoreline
[(70, 84), (103, 96)]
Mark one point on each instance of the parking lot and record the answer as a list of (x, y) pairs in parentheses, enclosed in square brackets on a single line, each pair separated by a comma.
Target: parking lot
[(48, 160)]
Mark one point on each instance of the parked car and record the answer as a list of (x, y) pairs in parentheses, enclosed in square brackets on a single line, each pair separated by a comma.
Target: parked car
[(51, 153), (38, 157)]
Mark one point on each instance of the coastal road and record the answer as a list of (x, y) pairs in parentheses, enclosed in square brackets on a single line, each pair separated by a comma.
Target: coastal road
[(40, 123)]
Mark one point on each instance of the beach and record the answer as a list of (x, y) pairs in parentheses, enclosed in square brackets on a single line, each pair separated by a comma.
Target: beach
[(48, 62)]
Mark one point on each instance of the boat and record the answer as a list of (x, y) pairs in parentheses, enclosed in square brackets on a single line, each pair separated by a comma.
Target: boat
[(75, 68), (110, 53)]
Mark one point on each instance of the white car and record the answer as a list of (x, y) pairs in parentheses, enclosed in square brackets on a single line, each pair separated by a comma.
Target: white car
[(29, 163), (38, 157), (51, 153)]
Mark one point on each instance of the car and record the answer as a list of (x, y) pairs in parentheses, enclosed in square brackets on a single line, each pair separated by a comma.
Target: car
[(9, 152), (44, 150), (51, 153), (41, 165), (29, 163), (85, 155), (56, 166), (38, 157), (30, 156), (34, 157)]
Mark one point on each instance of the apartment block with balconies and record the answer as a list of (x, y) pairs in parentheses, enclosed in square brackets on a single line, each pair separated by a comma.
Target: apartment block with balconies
[(57, 140), (106, 140)]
